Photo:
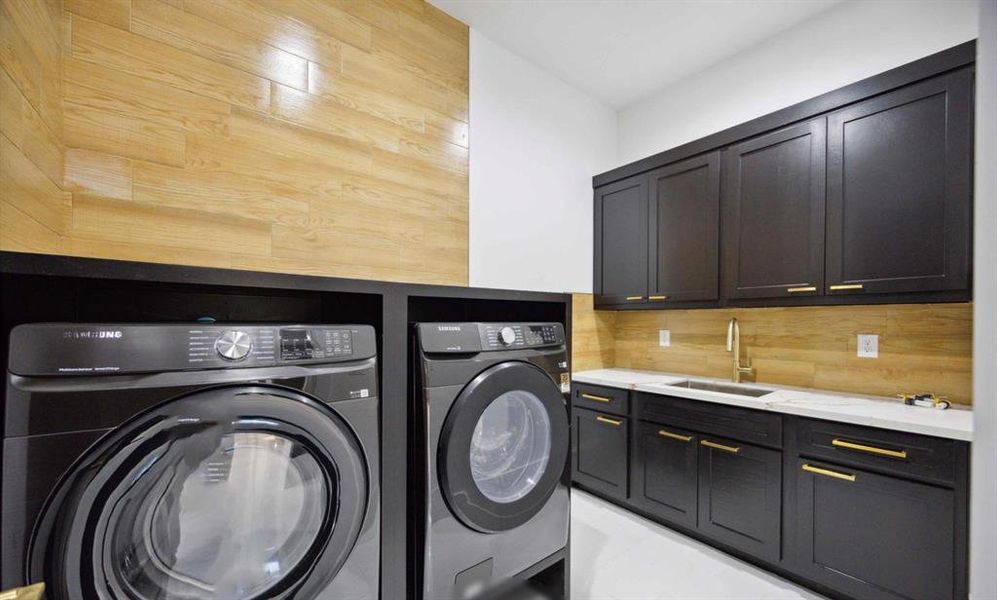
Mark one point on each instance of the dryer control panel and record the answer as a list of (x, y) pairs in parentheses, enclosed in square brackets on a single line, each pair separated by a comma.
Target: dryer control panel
[(109, 349), (484, 337)]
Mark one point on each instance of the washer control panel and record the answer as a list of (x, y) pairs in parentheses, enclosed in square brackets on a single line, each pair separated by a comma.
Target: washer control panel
[(100, 348), (497, 336), (477, 337)]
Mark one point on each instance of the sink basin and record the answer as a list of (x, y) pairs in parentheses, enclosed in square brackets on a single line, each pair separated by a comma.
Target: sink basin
[(723, 388)]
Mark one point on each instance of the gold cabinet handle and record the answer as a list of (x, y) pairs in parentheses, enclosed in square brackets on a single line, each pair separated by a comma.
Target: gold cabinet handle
[(608, 421), (597, 398), (674, 436), (657, 297), (840, 443), (631, 298), (847, 286), (828, 473), (731, 449), (800, 290)]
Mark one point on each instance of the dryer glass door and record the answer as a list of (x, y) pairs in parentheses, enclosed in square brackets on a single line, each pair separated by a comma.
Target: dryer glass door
[(238, 492), (503, 447)]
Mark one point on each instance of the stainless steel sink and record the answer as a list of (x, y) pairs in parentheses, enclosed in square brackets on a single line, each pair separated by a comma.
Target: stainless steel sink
[(723, 388)]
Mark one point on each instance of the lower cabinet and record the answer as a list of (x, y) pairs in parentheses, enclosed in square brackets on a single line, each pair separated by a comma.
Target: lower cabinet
[(740, 495), (860, 512), (664, 473), (599, 451), (872, 536)]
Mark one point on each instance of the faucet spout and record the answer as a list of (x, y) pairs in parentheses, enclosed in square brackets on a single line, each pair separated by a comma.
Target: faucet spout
[(734, 346)]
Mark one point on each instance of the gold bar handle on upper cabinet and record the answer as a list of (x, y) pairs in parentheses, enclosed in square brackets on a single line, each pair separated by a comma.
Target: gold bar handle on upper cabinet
[(608, 421), (846, 286), (674, 436), (657, 297), (801, 290), (840, 443), (597, 398), (632, 298), (828, 473), (731, 449)]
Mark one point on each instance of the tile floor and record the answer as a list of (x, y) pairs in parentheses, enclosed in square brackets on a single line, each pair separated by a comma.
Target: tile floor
[(617, 555)]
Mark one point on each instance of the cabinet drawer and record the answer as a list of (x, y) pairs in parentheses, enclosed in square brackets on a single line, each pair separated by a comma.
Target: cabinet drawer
[(603, 399), (743, 424), (599, 452), (905, 454)]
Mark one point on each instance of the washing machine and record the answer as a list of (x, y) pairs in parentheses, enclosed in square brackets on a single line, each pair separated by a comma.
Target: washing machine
[(184, 461), (492, 424)]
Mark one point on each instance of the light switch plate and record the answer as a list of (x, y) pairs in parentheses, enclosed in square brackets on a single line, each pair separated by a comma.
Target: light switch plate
[(664, 338), (868, 346)]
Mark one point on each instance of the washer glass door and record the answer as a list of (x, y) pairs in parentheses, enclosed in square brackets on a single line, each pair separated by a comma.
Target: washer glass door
[(510, 446), (251, 491), (229, 526)]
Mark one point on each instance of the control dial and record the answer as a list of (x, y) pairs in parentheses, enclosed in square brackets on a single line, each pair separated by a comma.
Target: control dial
[(507, 336), (234, 345)]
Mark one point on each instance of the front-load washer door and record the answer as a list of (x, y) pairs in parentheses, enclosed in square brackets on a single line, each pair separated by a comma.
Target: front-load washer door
[(252, 491), (503, 447)]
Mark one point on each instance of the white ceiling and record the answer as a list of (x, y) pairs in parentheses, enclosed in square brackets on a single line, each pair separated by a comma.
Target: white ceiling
[(622, 51)]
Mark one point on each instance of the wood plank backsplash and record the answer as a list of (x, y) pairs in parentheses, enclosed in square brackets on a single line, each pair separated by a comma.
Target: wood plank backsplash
[(310, 136), (922, 347)]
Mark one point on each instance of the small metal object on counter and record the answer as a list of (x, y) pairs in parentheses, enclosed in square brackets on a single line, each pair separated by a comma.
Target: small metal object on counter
[(31, 592), (927, 400)]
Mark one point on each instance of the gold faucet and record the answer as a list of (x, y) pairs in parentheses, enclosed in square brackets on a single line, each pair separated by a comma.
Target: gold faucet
[(734, 345)]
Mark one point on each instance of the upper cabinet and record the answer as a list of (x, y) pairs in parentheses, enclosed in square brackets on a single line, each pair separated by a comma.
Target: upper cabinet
[(900, 190), (684, 225), (863, 195), (774, 214), (621, 241)]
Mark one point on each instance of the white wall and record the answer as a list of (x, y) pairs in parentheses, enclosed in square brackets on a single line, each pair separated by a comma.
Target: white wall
[(983, 509), (852, 41), (535, 145)]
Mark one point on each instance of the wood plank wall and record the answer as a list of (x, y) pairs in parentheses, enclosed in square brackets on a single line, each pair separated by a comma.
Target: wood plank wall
[(922, 347), (310, 136)]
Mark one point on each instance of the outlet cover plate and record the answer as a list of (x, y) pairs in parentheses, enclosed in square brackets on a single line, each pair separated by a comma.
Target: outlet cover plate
[(664, 338), (868, 346)]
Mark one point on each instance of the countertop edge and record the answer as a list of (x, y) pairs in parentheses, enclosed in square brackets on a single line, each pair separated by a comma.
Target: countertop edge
[(777, 406)]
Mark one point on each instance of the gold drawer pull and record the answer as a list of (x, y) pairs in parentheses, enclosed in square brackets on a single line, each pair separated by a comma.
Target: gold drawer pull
[(657, 297), (731, 449), (840, 443), (847, 286), (674, 436), (800, 290), (608, 421), (828, 473), (597, 398), (631, 298)]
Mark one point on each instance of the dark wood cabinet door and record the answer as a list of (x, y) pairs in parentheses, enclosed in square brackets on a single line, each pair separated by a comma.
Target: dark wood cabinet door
[(871, 536), (684, 230), (599, 452), (620, 225), (899, 197), (773, 203), (664, 472), (740, 496)]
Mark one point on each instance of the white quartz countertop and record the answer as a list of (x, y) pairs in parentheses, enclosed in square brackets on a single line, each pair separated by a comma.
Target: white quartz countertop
[(886, 413)]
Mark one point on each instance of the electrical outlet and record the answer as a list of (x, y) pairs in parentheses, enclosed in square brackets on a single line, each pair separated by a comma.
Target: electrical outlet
[(664, 338), (868, 346)]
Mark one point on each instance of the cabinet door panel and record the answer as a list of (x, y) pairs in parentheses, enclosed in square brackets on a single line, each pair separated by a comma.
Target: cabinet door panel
[(872, 536), (774, 214), (664, 473), (740, 496), (621, 241), (684, 230), (599, 452), (899, 190)]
